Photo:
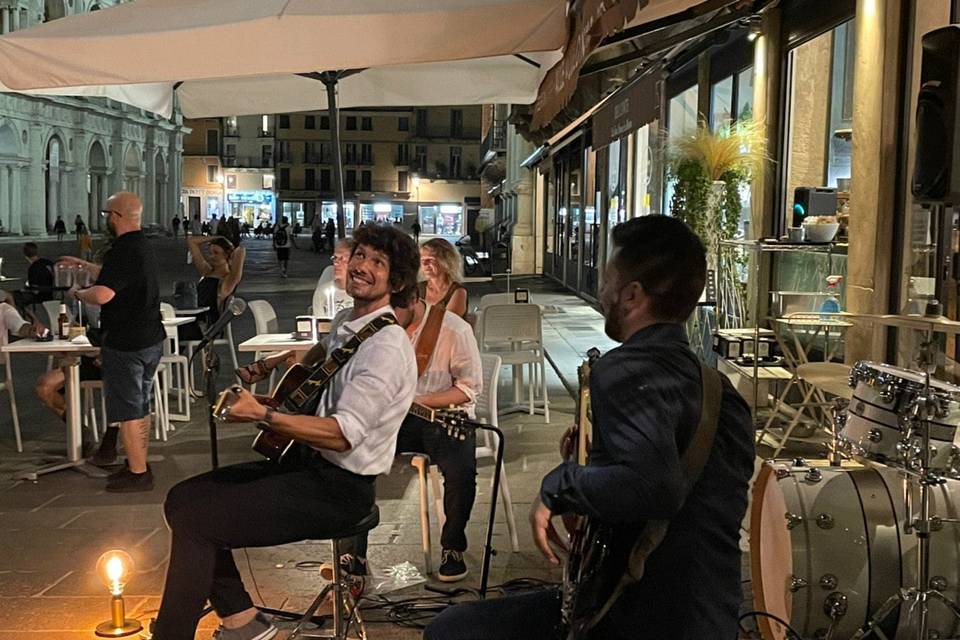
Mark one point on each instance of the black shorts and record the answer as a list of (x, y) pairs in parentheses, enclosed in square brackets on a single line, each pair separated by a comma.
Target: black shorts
[(283, 253)]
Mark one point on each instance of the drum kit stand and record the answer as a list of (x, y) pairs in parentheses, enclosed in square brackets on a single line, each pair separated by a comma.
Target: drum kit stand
[(915, 453)]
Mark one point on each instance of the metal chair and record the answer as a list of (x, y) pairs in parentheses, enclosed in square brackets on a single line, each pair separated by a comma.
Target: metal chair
[(265, 320), (346, 613)]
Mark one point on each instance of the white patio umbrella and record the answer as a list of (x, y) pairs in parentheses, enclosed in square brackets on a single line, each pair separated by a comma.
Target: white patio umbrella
[(223, 57)]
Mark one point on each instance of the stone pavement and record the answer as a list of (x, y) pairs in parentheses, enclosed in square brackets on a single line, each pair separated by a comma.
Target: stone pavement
[(53, 530)]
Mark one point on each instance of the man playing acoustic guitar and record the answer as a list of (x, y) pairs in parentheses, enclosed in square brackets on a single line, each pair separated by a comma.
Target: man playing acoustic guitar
[(323, 486), (647, 401)]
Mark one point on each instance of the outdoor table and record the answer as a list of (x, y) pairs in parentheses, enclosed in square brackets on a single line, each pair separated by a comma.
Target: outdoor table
[(70, 353), (275, 342), (178, 321), (192, 312)]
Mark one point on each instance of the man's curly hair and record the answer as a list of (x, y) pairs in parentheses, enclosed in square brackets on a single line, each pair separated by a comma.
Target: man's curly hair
[(404, 258)]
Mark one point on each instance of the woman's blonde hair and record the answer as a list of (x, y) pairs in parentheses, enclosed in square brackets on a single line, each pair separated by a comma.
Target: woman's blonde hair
[(448, 258)]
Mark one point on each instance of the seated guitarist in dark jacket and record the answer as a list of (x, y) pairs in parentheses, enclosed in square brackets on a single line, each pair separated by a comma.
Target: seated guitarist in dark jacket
[(323, 486), (646, 399)]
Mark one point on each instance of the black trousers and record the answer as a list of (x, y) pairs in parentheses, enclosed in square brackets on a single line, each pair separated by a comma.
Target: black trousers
[(531, 615), (255, 504), (457, 460)]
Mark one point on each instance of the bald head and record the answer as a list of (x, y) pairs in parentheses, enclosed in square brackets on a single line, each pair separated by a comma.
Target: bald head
[(126, 212)]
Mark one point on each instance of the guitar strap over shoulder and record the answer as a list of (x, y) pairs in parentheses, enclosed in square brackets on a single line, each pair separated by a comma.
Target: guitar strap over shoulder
[(337, 358), (429, 335), (692, 461)]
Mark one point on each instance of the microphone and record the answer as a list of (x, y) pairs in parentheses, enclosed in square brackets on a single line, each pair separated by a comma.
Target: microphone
[(235, 307)]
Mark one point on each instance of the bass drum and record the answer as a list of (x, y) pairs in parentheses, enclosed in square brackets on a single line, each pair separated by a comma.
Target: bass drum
[(829, 541)]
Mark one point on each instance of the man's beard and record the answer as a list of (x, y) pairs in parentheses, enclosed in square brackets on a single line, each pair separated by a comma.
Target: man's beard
[(613, 322)]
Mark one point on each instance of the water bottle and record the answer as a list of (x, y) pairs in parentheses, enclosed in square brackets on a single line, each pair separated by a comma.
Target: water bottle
[(832, 303)]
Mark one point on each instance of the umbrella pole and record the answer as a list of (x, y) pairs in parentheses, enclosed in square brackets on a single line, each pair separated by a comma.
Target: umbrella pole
[(330, 82)]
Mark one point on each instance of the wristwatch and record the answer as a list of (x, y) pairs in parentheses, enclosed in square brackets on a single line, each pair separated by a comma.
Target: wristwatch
[(268, 416)]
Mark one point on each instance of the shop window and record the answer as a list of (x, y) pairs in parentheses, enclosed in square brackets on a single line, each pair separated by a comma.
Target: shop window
[(366, 123), (820, 126), (366, 181), (682, 113), (721, 104), (328, 211), (283, 121), (309, 122), (744, 99), (351, 123), (310, 179), (403, 123)]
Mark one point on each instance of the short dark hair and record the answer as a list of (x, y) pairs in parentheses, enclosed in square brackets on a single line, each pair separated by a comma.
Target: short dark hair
[(404, 258), (31, 250), (667, 258)]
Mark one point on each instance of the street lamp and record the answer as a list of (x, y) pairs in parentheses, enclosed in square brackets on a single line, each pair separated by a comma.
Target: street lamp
[(416, 185)]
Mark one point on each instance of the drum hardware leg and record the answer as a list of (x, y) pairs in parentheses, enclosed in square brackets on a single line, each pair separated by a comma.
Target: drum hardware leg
[(839, 411)]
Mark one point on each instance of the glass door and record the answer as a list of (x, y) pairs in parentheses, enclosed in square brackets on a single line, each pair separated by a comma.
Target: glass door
[(574, 218)]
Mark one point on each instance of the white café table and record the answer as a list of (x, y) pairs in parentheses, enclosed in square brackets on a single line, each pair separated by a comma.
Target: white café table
[(275, 342), (70, 353)]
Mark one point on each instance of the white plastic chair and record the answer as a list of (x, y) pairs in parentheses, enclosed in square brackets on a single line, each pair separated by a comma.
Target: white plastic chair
[(265, 321), (7, 385), (487, 444), (515, 333), (89, 388), (176, 378)]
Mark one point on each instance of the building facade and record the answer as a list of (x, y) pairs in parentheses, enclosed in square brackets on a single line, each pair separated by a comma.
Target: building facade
[(62, 157)]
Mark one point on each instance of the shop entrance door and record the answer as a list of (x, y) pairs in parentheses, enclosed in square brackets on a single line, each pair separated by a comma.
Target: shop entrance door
[(572, 238)]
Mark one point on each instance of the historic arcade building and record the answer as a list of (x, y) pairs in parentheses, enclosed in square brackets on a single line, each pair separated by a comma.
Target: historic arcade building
[(64, 156)]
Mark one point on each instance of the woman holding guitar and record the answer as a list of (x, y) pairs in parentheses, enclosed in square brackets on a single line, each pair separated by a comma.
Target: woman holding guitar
[(670, 460)]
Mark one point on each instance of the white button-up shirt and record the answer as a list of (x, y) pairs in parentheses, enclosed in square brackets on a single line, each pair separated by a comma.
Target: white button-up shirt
[(371, 394), (455, 361)]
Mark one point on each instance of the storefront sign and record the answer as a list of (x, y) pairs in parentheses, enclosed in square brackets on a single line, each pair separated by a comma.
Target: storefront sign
[(590, 22), (250, 197), (631, 108)]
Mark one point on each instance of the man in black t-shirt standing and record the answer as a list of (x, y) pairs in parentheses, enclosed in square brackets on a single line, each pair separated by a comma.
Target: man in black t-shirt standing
[(128, 290)]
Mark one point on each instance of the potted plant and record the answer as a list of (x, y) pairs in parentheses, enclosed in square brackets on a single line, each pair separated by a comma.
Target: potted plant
[(710, 170)]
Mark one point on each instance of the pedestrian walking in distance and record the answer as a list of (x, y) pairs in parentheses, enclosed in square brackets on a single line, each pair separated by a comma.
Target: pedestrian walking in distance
[(175, 223), (415, 228), (60, 228), (282, 242)]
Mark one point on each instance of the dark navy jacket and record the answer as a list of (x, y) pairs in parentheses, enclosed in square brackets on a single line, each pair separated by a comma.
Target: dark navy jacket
[(646, 397)]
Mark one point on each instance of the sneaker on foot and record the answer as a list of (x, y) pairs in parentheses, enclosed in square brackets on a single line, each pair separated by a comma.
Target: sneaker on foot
[(126, 481), (452, 566), (257, 629)]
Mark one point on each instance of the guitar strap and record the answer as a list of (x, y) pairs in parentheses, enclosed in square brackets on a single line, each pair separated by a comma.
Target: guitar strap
[(322, 374), (692, 461), (429, 335)]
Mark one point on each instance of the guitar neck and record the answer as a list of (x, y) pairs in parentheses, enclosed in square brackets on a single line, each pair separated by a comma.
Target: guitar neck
[(423, 412)]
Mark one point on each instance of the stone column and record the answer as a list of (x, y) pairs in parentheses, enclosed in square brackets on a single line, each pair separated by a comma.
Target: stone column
[(34, 213), (877, 92), (16, 186), (520, 182), (6, 195), (5, 25)]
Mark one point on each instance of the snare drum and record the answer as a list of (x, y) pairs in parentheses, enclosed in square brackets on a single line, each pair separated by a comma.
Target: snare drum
[(876, 429), (829, 540)]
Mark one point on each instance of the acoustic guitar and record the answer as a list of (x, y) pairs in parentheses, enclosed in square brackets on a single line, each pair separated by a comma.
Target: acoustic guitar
[(296, 393)]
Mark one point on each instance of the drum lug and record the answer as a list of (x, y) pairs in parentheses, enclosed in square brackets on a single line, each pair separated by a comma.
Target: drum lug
[(828, 581), (874, 435), (799, 462), (797, 583), (825, 521), (835, 606), (793, 520), (939, 583), (782, 473), (813, 475), (888, 392)]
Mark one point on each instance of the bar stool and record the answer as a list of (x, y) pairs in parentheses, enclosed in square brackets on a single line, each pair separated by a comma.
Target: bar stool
[(345, 610)]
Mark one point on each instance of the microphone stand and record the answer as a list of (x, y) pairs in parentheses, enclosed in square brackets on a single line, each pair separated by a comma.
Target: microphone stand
[(488, 550), (211, 369)]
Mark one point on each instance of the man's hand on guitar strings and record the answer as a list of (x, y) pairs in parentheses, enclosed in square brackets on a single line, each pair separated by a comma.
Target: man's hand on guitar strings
[(568, 442), (245, 408), (544, 532)]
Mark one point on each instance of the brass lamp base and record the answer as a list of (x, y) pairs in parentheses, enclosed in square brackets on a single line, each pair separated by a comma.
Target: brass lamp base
[(110, 630)]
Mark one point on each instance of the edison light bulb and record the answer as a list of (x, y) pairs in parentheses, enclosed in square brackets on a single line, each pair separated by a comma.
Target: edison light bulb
[(115, 567)]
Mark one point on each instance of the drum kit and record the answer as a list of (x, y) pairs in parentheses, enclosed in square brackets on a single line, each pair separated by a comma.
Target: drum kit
[(866, 548)]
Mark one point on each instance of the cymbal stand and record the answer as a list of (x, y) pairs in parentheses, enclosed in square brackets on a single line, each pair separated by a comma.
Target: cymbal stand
[(839, 413), (919, 413)]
